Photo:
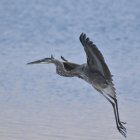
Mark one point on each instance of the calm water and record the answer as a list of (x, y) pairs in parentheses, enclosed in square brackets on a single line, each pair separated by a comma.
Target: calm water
[(37, 104)]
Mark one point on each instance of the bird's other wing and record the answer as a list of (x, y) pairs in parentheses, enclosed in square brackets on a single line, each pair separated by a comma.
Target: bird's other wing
[(70, 66), (63, 59), (95, 59)]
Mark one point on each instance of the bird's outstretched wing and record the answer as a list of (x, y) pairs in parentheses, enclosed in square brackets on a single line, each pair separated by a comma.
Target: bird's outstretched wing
[(95, 59)]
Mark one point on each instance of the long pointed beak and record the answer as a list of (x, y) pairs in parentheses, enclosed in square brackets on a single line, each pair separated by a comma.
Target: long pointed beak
[(42, 61)]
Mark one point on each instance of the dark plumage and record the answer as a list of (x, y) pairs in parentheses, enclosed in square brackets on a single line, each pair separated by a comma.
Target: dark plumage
[(95, 72)]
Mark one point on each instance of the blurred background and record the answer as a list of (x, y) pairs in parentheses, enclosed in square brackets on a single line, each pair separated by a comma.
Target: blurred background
[(37, 104)]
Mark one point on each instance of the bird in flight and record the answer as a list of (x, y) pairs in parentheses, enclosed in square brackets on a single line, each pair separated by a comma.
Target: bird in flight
[(95, 72)]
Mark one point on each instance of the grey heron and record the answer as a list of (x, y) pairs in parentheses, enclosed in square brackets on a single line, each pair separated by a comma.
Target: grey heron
[(95, 72)]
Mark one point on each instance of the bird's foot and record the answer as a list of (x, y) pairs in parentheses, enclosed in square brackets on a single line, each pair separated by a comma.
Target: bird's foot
[(122, 129), (121, 125), (124, 122)]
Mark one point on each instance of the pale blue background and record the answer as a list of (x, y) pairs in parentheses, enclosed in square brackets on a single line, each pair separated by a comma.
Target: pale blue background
[(37, 104)]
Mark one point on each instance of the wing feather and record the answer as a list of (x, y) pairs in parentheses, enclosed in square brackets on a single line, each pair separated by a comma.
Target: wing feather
[(95, 59)]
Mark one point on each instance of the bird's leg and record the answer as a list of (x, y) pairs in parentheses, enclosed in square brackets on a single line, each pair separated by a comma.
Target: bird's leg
[(116, 103), (117, 111), (116, 118), (120, 127)]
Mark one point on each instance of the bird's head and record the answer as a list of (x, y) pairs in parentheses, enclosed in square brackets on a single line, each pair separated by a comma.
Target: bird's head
[(43, 61)]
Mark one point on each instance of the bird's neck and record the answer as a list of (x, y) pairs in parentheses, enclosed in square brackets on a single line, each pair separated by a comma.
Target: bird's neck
[(59, 67)]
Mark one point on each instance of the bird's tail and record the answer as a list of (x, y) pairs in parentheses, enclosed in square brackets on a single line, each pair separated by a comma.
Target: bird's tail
[(109, 91)]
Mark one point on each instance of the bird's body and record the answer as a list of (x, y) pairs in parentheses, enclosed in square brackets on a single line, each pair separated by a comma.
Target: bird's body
[(95, 72)]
